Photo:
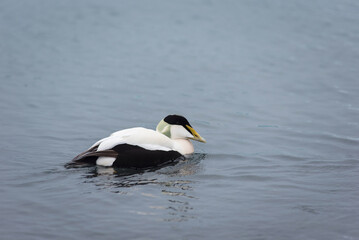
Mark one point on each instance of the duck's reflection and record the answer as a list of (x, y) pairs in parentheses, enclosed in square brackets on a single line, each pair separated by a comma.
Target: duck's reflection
[(172, 182), (181, 167)]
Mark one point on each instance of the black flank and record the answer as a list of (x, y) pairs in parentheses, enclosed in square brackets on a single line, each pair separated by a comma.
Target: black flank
[(131, 156), (127, 156)]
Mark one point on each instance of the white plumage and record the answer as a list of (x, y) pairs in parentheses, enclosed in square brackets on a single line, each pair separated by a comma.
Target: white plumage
[(170, 138)]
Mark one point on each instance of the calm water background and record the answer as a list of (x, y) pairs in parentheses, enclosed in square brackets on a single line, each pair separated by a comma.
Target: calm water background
[(272, 85)]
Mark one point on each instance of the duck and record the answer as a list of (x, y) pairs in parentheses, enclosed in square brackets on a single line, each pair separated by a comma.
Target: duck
[(140, 147)]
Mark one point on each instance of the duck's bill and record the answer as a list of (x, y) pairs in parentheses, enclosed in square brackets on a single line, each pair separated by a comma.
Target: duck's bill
[(195, 135)]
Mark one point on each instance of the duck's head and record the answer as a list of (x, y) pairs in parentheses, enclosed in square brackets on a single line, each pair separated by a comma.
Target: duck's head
[(177, 127)]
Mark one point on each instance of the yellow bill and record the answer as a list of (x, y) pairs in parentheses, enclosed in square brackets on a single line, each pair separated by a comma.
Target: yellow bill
[(196, 136)]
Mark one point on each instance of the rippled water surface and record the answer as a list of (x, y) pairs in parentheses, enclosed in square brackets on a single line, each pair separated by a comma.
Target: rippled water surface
[(272, 86)]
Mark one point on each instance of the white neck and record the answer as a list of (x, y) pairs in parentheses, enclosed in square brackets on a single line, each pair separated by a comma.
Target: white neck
[(183, 146)]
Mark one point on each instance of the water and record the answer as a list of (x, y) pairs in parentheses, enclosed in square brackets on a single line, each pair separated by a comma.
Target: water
[(272, 86)]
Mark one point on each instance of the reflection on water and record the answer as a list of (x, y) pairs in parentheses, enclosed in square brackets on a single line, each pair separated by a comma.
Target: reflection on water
[(169, 180), (181, 167)]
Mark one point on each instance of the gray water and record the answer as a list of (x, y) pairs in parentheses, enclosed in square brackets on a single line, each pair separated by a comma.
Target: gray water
[(272, 86)]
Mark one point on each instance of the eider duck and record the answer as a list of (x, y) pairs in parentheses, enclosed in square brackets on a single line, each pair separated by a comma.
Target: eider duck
[(140, 147)]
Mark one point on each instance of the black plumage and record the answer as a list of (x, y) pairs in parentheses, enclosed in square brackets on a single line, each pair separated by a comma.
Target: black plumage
[(127, 156)]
